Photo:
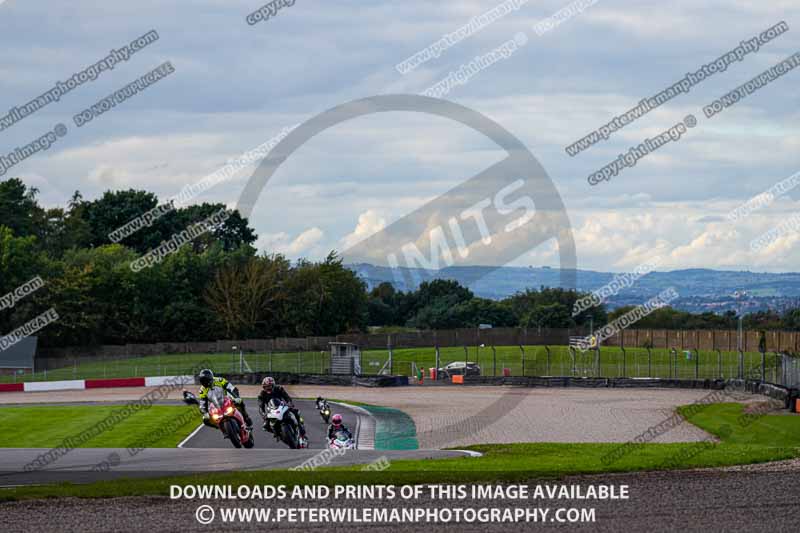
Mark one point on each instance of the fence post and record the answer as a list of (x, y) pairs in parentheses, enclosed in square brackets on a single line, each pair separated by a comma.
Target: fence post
[(624, 362), (547, 349), (270, 362), (697, 364), (574, 361), (522, 349), (676, 364), (438, 360), (649, 363), (672, 352), (763, 366), (775, 371), (598, 367), (494, 361), (741, 364), (391, 355)]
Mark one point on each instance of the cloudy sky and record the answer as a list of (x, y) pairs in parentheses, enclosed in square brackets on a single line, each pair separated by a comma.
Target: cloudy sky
[(236, 86)]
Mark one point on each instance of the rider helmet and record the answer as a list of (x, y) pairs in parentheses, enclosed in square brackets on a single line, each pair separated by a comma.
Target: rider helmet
[(206, 377), (268, 383), (336, 420)]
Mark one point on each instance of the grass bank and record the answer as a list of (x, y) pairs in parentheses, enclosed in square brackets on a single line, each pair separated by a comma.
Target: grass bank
[(158, 426)]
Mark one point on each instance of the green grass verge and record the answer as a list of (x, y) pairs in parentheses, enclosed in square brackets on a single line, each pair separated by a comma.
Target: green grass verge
[(742, 441), (158, 426)]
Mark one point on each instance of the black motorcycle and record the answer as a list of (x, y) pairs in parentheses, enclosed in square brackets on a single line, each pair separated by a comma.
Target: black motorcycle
[(324, 410)]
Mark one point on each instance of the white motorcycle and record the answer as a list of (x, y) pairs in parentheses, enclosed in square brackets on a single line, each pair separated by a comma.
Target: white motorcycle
[(284, 424), (342, 440)]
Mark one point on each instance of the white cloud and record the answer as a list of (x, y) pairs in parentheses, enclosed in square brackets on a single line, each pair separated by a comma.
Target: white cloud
[(304, 245), (305, 241), (679, 235), (369, 223), (379, 168)]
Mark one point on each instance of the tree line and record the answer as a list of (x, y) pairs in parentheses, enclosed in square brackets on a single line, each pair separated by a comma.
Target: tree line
[(218, 286), (215, 287)]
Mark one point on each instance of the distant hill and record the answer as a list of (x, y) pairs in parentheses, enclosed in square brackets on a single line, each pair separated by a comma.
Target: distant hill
[(699, 289)]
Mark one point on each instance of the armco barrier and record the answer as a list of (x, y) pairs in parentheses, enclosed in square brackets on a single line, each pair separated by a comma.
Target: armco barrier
[(284, 378), (569, 381), (381, 381), (767, 389), (81, 384), (168, 380), (116, 382), (44, 386)]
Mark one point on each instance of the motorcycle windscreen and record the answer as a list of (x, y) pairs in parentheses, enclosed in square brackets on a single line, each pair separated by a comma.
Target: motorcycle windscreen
[(217, 397)]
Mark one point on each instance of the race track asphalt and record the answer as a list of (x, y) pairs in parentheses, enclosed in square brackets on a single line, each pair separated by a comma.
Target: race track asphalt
[(203, 451), (83, 465), (316, 429)]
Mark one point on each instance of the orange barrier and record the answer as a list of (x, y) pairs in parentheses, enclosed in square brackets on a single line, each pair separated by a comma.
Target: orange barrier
[(458, 379), (797, 405), (506, 372), (433, 373)]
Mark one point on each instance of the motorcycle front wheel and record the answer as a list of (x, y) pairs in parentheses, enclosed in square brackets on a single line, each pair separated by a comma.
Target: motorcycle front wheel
[(290, 436), (232, 430)]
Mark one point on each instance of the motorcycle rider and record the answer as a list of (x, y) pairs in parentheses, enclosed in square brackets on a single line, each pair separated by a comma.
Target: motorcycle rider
[(270, 391), (337, 425), (207, 382)]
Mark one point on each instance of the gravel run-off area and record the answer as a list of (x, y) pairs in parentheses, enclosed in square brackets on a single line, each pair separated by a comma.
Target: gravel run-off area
[(460, 416)]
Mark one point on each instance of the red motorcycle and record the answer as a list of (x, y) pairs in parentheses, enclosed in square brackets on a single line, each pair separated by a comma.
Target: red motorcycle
[(225, 416)]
